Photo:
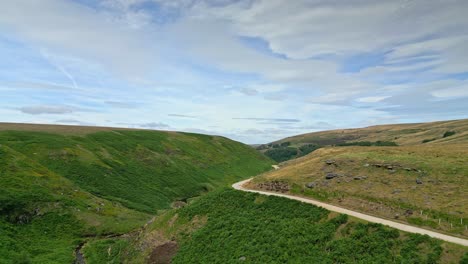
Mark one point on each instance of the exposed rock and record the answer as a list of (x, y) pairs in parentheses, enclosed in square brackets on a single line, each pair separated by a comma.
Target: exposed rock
[(395, 191), (276, 186), (418, 181), (391, 171), (366, 165), (396, 216), (310, 185), (357, 178), (331, 175), (330, 162), (408, 169), (242, 258), (390, 167), (178, 204)]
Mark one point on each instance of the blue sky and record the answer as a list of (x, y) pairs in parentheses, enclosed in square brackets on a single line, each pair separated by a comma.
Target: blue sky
[(254, 71)]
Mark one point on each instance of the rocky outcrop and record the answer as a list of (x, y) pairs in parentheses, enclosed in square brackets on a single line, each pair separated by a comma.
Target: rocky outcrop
[(275, 186)]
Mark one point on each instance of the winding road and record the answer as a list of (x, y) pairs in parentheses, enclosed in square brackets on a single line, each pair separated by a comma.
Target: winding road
[(407, 228)]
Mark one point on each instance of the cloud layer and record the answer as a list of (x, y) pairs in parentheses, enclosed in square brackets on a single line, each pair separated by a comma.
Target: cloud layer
[(252, 70)]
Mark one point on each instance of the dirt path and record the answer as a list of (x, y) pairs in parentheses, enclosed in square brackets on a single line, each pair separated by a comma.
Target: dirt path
[(373, 219)]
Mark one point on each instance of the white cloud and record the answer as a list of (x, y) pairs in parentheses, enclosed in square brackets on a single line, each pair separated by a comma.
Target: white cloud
[(452, 92), (47, 109), (372, 99), (66, 27)]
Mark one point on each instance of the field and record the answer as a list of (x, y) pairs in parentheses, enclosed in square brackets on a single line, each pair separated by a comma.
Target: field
[(61, 189), (229, 226), (424, 185)]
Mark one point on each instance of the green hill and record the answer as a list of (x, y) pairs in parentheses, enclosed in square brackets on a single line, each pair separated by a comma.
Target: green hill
[(69, 183), (229, 226)]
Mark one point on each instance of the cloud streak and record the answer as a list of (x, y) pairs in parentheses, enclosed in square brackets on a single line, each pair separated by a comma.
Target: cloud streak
[(278, 120), (47, 109)]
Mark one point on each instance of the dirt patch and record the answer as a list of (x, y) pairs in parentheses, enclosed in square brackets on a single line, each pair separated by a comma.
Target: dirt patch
[(163, 254), (276, 186)]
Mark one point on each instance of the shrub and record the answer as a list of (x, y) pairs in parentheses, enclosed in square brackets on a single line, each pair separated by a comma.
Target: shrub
[(306, 149), (428, 140), (281, 154), (448, 134)]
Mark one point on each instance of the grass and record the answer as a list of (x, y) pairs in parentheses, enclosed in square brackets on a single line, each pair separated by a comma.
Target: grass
[(444, 132), (384, 192), (59, 189), (227, 226)]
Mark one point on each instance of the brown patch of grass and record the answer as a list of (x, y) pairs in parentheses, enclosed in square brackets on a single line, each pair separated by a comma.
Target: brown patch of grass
[(384, 192), (402, 134)]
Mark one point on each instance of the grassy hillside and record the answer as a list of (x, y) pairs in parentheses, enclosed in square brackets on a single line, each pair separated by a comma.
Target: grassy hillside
[(60, 188), (444, 132), (421, 184), (229, 226)]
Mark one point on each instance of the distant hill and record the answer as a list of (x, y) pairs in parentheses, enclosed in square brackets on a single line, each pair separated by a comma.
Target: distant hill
[(62, 184), (443, 132)]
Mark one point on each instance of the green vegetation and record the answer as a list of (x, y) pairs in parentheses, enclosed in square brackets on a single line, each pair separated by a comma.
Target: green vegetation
[(306, 149), (448, 134), (283, 152), (58, 190), (368, 143), (268, 229)]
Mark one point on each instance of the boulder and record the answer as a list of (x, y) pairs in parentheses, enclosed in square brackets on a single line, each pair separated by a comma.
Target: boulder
[(331, 175), (242, 258), (310, 185), (418, 181), (330, 161)]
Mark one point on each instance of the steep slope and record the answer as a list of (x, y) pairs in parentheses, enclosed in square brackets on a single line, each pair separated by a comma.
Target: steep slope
[(59, 188), (229, 226), (424, 185), (443, 132)]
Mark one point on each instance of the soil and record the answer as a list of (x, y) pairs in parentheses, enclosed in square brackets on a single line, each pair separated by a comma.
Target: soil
[(163, 254)]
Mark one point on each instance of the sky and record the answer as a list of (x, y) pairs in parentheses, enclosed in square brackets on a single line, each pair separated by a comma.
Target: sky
[(253, 71)]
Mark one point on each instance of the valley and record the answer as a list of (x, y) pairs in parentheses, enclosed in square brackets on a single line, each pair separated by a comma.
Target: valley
[(104, 195)]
